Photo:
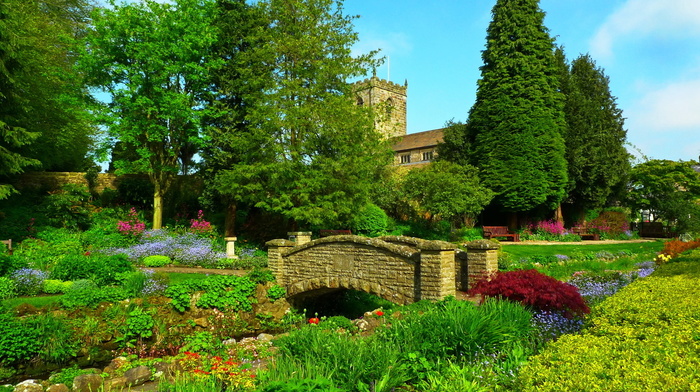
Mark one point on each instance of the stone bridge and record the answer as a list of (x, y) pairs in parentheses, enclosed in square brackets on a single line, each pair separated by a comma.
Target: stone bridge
[(400, 269)]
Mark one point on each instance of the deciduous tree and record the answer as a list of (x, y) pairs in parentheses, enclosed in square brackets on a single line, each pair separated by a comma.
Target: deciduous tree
[(307, 151), (154, 60)]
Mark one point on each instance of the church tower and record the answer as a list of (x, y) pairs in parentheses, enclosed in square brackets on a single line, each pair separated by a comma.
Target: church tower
[(389, 102)]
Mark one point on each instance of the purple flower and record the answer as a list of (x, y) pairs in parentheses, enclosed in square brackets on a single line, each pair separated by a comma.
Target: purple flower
[(28, 281), (551, 325), (562, 257)]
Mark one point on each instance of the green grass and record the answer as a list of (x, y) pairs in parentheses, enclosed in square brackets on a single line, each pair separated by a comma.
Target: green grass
[(522, 251), (37, 302), (179, 277)]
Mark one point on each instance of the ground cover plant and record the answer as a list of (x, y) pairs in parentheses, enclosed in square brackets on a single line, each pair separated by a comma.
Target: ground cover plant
[(643, 338)]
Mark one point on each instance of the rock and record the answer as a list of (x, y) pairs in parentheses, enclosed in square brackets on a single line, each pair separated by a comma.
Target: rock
[(265, 337), (229, 342), (87, 383), (115, 384), (137, 375), (361, 324), (164, 369), (201, 322), (29, 386), (115, 364), (57, 388)]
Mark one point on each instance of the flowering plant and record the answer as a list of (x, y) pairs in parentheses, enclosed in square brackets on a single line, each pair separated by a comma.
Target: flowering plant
[(232, 374), (132, 227), (201, 226)]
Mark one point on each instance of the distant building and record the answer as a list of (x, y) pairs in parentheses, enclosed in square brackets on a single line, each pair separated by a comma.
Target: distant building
[(389, 101)]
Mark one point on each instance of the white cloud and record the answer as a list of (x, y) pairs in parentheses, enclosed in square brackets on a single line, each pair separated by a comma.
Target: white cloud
[(639, 18), (673, 106)]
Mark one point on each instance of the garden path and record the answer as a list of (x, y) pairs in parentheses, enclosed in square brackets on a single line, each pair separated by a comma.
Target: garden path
[(587, 242)]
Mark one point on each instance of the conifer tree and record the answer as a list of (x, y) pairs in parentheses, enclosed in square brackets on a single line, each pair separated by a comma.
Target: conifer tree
[(598, 162), (516, 123)]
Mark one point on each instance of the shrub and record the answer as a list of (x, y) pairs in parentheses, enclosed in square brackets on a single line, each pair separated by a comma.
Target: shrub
[(8, 288), (133, 227), (85, 293), (674, 248), (17, 342), (102, 269), (55, 286), (533, 289), (276, 292), (69, 207), (610, 224), (9, 264), (156, 261), (370, 220)]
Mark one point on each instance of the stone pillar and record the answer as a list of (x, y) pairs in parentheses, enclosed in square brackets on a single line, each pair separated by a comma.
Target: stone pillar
[(300, 237), (482, 260), (437, 270), (275, 258), (231, 247)]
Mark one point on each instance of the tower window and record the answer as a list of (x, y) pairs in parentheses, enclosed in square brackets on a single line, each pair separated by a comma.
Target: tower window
[(406, 158), (428, 156)]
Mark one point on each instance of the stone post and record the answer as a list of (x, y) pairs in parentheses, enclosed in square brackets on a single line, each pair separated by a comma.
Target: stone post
[(300, 237), (275, 258), (437, 270), (482, 260), (231, 247)]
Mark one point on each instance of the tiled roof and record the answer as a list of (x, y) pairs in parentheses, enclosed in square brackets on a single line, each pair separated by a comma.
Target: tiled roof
[(414, 141)]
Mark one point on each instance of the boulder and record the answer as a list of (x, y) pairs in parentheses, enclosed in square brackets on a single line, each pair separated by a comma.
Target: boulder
[(29, 386), (137, 375), (57, 388), (87, 383), (115, 384)]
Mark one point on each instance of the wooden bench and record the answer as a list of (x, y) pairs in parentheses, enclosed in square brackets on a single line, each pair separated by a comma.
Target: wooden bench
[(584, 233), (9, 245), (328, 233), (500, 231)]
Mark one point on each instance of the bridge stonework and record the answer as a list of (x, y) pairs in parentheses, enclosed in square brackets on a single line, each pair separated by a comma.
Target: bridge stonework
[(400, 269)]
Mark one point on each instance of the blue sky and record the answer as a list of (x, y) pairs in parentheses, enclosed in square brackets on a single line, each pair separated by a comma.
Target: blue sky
[(650, 50)]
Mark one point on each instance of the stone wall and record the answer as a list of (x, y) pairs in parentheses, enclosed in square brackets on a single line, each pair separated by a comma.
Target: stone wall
[(402, 271), (55, 180)]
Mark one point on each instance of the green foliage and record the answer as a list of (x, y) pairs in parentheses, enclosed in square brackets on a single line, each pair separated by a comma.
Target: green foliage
[(42, 105), (448, 190), (136, 191), (102, 269), (643, 338), (668, 190), (302, 147), (230, 293), (67, 375), (56, 286), (156, 261), (203, 342), (8, 288), (58, 341), (597, 160), (517, 121), (305, 385), (276, 292), (85, 293), (260, 275), (139, 325), (151, 115), (69, 207), (369, 220), (17, 342)]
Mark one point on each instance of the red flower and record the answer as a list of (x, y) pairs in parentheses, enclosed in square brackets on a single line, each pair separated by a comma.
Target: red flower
[(314, 320), (379, 313)]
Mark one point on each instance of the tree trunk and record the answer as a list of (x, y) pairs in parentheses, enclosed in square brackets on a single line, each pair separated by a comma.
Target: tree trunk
[(157, 207), (230, 222), (513, 221), (558, 216)]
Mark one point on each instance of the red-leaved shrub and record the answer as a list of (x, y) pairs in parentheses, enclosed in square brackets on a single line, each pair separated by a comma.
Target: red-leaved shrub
[(675, 247), (533, 289)]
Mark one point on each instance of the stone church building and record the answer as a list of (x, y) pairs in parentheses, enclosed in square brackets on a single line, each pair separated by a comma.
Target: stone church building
[(410, 150)]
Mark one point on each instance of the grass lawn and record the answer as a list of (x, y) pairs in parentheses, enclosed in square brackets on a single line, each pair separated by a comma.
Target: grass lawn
[(521, 251), (37, 302), (179, 277)]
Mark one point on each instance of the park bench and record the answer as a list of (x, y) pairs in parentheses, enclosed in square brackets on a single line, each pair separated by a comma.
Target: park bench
[(500, 231), (328, 233), (9, 245), (583, 232)]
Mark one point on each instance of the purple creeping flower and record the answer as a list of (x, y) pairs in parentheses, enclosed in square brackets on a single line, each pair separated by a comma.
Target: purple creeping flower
[(551, 325), (562, 257), (185, 248), (28, 280)]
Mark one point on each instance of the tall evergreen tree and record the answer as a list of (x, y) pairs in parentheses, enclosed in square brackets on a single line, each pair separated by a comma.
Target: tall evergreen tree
[(516, 123), (595, 137), (307, 151)]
